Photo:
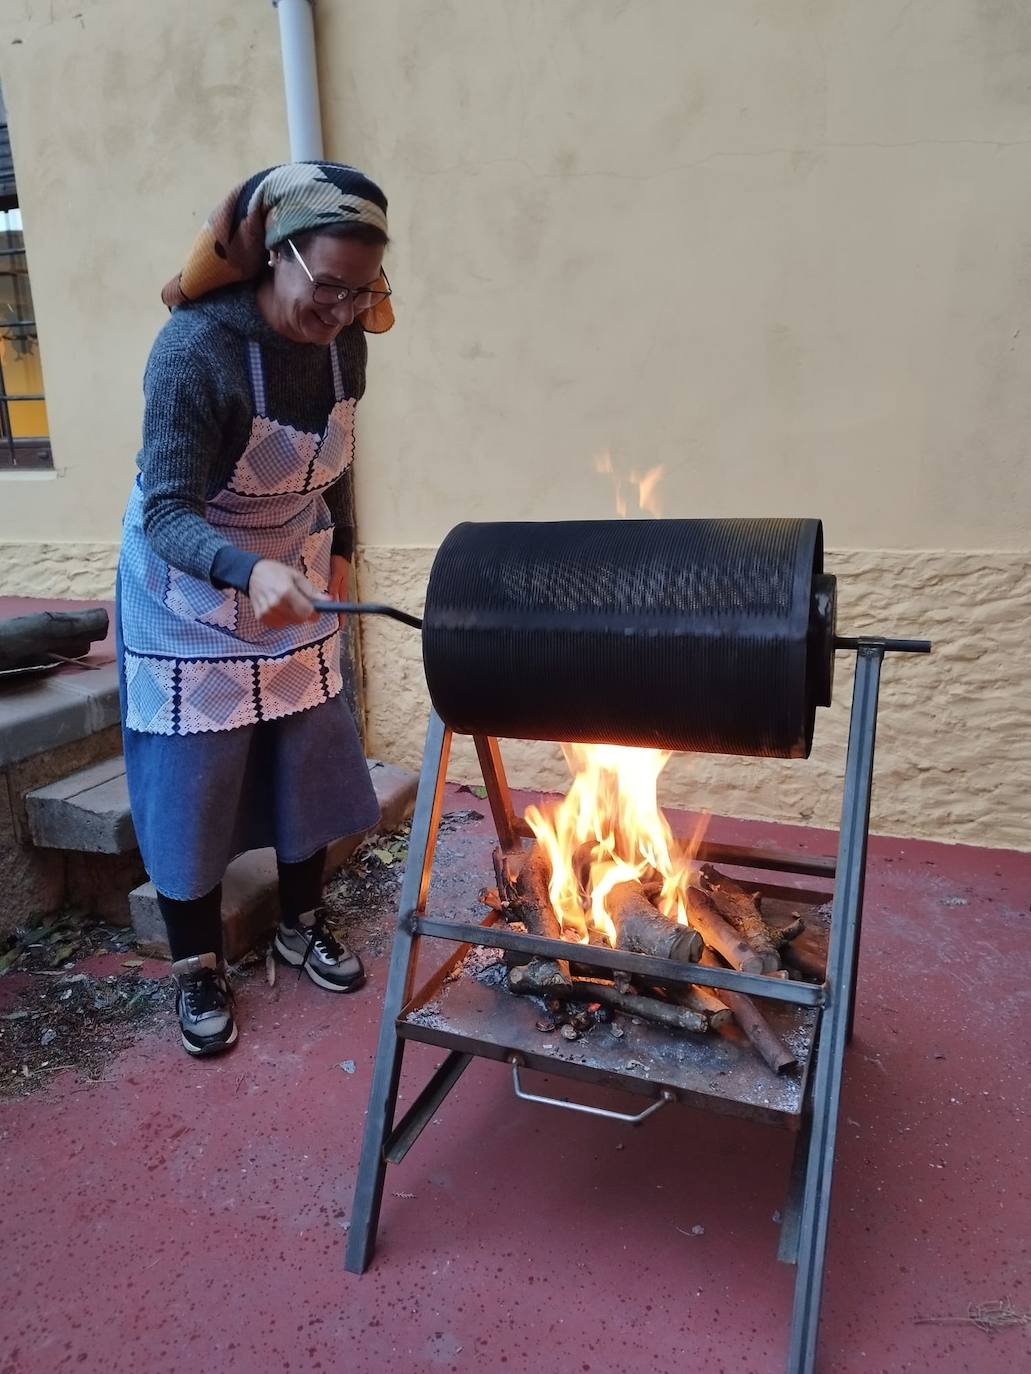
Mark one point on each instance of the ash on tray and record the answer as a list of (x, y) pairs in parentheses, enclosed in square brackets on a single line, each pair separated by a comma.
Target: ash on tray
[(428, 1015), (486, 965)]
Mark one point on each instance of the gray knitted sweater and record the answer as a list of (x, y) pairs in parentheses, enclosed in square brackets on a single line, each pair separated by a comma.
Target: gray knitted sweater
[(197, 420)]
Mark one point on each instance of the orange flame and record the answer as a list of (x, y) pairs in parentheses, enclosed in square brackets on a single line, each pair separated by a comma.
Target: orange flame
[(609, 829), (645, 484)]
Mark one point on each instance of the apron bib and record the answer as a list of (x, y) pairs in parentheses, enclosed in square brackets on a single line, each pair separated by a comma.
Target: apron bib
[(196, 657)]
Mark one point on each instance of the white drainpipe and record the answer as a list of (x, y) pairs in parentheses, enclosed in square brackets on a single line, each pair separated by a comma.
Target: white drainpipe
[(300, 79)]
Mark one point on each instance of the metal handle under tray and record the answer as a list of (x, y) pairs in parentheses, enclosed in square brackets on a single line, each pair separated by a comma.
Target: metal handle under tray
[(625, 1117)]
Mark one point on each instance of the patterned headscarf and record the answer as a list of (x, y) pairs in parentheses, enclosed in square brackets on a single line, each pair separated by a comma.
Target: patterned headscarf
[(267, 209)]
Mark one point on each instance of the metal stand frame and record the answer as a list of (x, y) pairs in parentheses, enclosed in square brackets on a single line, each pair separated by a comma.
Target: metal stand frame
[(807, 1212)]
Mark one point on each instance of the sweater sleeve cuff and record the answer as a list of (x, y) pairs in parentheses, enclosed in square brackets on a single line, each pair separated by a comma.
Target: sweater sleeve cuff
[(232, 567), (343, 542)]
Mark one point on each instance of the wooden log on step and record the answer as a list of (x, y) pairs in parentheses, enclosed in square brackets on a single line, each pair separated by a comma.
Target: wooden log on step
[(642, 929), (653, 1009), (739, 907), (28, 639), (760, 1034), (719, 935)]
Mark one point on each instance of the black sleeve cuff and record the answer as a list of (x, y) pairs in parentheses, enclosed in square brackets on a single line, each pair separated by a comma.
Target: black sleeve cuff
[(343, 542), (232, 567)]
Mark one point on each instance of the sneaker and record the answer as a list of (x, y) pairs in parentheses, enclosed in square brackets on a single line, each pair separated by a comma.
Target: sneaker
[(311, 948), (204, 1005)]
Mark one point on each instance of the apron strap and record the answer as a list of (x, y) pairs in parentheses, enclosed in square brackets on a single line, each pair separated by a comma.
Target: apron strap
[(257, 377), (338, 377)]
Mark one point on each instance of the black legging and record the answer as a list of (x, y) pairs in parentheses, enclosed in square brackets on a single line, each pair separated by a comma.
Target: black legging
[(195, 927)]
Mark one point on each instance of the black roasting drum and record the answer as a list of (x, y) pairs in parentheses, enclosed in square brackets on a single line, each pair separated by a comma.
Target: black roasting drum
[(707, 635)]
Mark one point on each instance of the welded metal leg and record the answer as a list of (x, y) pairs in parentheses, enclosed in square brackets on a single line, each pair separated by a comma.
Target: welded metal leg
[(498, 795), (368, 1192), (791, 1221), (833, 1034), (424, 1108)]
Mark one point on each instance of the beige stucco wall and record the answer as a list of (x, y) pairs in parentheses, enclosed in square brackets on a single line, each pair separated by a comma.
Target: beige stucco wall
[(128, 121), (781, 250)]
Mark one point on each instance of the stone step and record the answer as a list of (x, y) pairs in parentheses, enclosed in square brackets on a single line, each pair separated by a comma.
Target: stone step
[(87, 812), (249, 890)]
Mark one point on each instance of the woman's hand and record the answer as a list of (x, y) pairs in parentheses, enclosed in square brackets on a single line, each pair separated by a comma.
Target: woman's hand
[(339, 581), (280, 595)]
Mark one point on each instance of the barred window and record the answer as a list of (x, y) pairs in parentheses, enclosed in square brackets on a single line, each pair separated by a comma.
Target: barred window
[(24, 430)]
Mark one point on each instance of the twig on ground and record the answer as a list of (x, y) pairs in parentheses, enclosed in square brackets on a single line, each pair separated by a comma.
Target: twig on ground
[(989, 1317)]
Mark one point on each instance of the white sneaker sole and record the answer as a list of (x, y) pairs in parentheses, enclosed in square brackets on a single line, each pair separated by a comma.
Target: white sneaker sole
[(199, 1051), (295, 960)]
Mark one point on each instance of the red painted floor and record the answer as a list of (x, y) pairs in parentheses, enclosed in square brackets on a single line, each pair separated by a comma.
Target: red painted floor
[(191, 1216)]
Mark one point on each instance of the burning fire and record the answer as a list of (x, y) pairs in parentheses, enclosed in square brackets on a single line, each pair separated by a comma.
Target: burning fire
[(609, 829), (645, 485)]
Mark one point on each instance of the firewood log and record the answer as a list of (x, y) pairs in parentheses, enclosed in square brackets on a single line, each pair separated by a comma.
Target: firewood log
[(715, 931), (783, 935), (543, 976), (740, 908), (642, 929), (526, 899), (748, 1016), (706, 1002), (809, 962), (651, 1009)]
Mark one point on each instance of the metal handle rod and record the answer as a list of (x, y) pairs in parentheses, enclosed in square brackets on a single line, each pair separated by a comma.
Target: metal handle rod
[(891, 646), (627, 1119), (368, 608)]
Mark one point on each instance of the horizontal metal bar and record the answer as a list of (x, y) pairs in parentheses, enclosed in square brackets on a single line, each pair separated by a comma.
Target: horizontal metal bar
[(620, 961), (421, 1112), (892, 646), (775, 860), (627, 1118)]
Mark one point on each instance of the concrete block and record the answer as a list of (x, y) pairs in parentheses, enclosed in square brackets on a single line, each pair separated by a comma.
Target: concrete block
[(47, 712), (87, 812), (250, 906), (395, 791), (54, 764), (100, 883)]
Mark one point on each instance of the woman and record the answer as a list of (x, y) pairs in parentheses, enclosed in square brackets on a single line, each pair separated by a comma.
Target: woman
[(237, 735)]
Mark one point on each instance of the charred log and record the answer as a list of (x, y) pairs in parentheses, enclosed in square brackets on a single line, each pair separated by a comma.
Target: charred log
[(66, 634), (651, 1009), (525, 898)]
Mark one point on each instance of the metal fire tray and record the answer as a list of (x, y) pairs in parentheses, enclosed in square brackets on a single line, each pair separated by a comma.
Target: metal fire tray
[(719, 1070)]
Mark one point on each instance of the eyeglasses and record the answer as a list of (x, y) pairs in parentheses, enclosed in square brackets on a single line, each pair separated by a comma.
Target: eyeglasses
[(324, 293)]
